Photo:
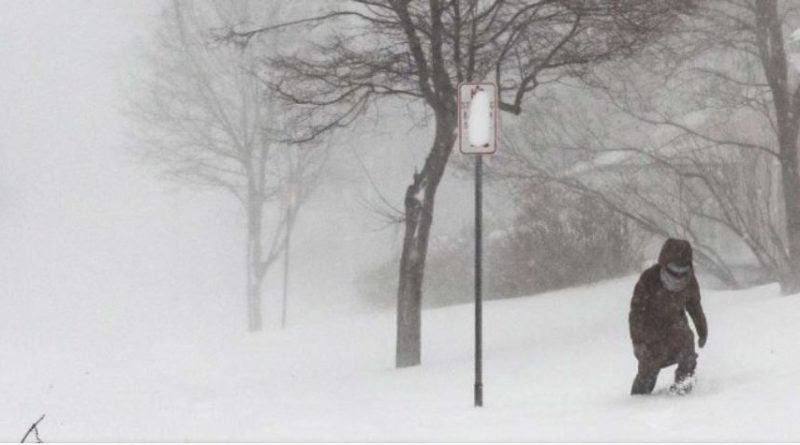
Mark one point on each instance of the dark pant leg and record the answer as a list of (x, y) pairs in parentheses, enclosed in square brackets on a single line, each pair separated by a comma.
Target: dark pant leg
[(687, 362), (646, 378), (685, 356)]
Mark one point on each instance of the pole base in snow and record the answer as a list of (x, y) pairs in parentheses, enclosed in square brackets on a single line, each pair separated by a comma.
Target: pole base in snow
[(478, 395)]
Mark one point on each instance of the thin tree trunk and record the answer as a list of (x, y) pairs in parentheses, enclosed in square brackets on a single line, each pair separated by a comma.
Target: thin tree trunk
[(255, 273), (769, 36), (285, 302), (419, 204), (790, 280), (254, 318)]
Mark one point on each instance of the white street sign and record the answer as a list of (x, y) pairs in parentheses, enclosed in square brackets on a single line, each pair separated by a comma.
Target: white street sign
[(477, 118)]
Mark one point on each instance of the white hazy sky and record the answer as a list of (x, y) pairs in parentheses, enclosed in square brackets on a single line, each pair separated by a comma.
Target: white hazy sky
[(84, 226), (81, 223)]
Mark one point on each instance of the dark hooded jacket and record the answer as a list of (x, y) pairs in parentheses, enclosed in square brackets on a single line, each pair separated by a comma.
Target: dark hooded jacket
[(658, 324)]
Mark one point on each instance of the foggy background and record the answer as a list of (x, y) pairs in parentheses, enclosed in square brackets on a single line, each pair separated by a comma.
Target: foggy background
[(88, 226)]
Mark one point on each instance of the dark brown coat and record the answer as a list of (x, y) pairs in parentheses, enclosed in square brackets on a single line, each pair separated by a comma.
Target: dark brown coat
[(659, 327)]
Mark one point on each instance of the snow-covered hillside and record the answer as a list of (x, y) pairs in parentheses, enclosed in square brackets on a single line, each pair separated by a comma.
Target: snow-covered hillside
[(558, 367)]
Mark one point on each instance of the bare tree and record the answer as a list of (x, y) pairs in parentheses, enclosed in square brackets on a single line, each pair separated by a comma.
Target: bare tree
[(206, 118), (768, 29), (706, 137), (728, 91), (663, 194), (419, 51)]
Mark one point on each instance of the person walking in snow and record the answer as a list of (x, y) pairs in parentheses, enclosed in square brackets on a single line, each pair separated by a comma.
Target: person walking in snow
[(659, 328)]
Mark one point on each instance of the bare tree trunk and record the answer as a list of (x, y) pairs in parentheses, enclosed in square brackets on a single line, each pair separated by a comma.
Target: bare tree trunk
[(769, 35), (255, 273), (790, 281), (419, 204), (254, 318), (285, 303)]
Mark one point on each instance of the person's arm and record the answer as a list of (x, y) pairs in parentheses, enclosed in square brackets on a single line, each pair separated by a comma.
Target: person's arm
[(637, 318), (695, 310)]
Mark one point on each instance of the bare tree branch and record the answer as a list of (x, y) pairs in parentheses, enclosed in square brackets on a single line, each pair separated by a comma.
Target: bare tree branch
[(33, 429)]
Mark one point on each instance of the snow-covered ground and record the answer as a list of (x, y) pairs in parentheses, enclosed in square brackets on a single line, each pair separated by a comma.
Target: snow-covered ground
[(558, 367)]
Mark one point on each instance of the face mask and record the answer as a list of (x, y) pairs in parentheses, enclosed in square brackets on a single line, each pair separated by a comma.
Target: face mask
[(677, 270), (675, 278)]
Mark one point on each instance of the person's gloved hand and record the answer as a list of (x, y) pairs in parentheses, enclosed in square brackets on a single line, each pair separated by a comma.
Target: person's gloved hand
[(702, 341)]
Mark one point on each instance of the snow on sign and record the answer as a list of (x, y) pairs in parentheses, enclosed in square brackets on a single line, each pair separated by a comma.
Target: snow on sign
[(477, 118)]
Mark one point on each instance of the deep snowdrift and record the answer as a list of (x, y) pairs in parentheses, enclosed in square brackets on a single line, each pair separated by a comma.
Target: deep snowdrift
[(558, 367)]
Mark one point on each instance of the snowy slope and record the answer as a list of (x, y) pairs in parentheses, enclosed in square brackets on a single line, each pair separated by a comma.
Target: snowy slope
[(558, 368)]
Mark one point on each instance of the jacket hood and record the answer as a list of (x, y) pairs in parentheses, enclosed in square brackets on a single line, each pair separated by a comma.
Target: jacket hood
[(675, 251)]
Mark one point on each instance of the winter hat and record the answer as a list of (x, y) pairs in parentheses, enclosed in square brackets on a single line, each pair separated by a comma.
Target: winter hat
[(675, 260), (676, 251)]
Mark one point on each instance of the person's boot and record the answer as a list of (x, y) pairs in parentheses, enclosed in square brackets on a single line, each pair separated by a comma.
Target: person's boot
[(683, 386), (684, 375)]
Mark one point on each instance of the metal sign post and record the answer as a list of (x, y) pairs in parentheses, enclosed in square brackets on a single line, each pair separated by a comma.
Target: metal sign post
[(478, 283), (477, 130)]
